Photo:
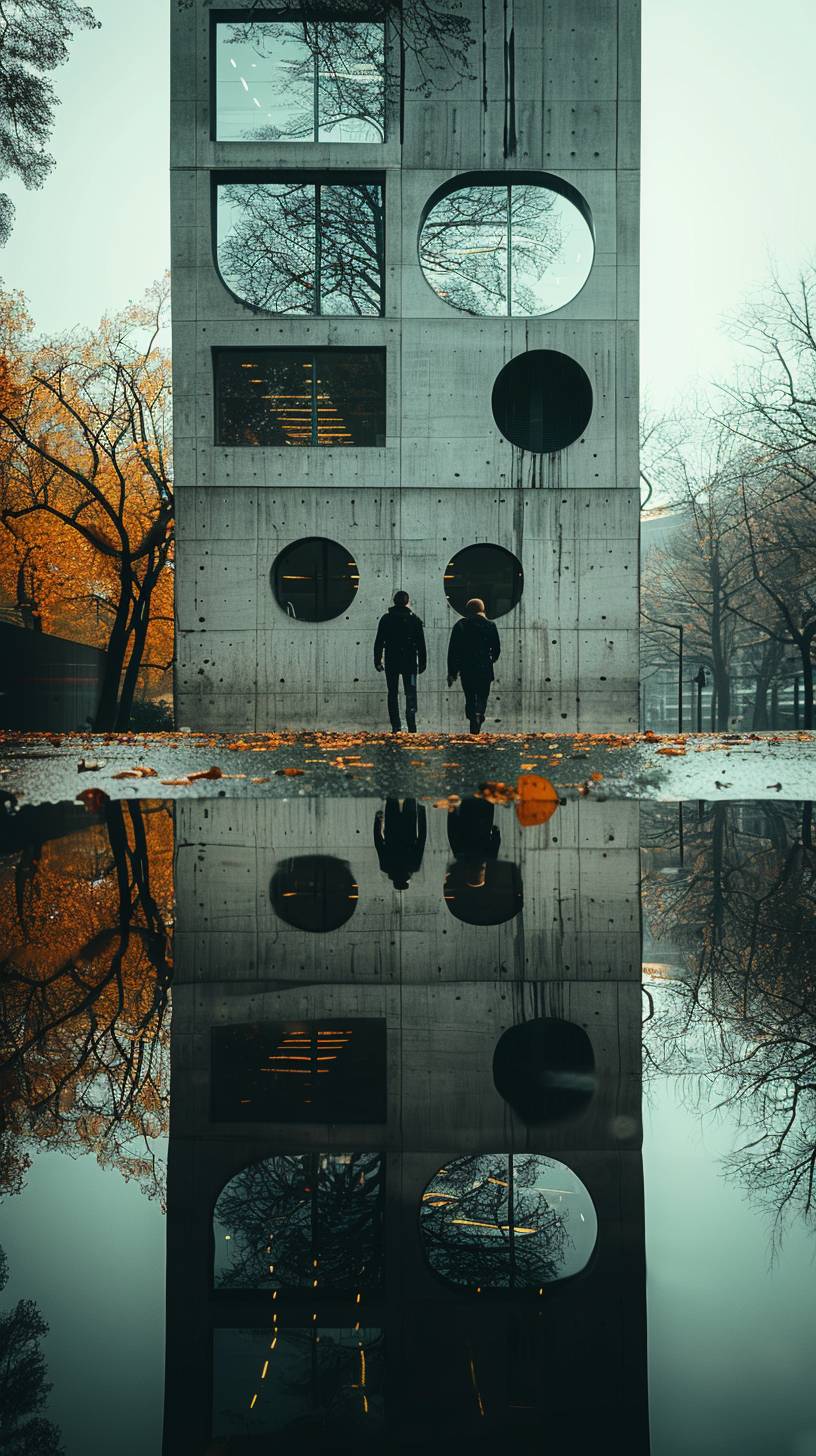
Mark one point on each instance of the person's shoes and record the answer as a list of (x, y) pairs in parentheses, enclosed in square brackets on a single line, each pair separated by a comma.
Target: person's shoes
[(475, 725), (396, 728), (412, 728)]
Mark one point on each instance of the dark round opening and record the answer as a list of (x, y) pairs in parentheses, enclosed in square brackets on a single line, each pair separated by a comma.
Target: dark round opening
[(314, 892), (483, 891), (488, 572), (542, 401), (545, 1069), (315, 579)]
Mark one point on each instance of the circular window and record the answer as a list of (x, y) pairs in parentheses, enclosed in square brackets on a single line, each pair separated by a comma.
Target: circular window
[(488, 572), (315, 579), (483, 891), (545, 1069), (507, 1221), (519, 249), (314, 892), (542, 401)]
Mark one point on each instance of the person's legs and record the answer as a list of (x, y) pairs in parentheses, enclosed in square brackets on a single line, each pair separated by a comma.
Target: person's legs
[(471, 711), (392, 679), (409, 680)]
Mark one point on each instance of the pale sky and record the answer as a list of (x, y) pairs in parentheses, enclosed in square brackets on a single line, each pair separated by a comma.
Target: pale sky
[(729, 132)]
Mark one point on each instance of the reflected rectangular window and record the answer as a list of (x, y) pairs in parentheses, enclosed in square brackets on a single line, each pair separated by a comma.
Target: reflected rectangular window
[(328, 397), (301, 245), (295, 81), (282, 1379), (331, 1071)]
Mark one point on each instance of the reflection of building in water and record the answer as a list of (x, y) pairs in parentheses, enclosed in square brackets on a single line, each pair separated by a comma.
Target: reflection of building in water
[(405, 1174), (399, 838)]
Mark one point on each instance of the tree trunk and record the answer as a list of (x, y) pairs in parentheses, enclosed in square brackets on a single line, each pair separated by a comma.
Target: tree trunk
[(114, 663), (805, 649)]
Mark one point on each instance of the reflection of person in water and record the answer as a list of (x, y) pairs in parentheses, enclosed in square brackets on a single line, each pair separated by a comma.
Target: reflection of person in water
[(399, 839), (480, 888), (472, 833)]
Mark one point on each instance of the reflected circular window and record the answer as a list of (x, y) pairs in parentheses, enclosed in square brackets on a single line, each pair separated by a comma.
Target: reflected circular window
[(499, 1221), (315, 579), (545, 1069), (503, 249), (483, 891), (542, 401), (314, 892), (489, 572)]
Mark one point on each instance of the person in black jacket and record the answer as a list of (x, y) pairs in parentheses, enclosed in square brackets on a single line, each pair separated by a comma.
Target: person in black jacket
[(474, 647), (401, 638), (399, 839)]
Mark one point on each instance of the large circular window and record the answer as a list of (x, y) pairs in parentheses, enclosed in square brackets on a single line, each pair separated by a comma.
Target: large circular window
[(507, 1221), (488, 572), (483, 891), (523, 248), (314, 892), (315, 579), (545, 1069), (542, 401)]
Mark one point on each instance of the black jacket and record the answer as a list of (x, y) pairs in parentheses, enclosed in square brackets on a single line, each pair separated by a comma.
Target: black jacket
[(401, 637), (474, 647)]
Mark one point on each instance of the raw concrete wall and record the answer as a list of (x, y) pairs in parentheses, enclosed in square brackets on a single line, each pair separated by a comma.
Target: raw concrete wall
[(446, 477), (447, 991)]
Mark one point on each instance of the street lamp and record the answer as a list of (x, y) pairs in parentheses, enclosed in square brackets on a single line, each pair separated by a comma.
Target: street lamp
[(678, 628)]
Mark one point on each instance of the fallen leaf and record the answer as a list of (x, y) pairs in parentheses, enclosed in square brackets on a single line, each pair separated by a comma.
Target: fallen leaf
[(93, 799), (672, 752), (290, 773), (140, 772), (497, 792), (87, 765), (596, 777), (206, 773), (537, 800)]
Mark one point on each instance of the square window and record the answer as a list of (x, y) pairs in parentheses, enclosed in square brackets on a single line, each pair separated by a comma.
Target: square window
[(326, 397), (302, 245), (283, 80)]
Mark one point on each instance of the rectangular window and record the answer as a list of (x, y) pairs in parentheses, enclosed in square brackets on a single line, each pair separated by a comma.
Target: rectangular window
[(335, 1073), (302, 245), (299, 396), (290, 81)]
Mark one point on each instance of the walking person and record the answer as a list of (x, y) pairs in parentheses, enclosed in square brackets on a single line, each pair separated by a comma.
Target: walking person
[(474, 647), (401, 640)]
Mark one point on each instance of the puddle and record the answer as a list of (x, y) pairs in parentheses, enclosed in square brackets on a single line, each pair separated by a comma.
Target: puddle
[(372, 1126)]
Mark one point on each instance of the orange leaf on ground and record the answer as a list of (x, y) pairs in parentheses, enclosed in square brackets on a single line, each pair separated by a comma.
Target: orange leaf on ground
[(206, 773), (290, 773), (140, 772), (537, 800), (94, 800), (596, 777), (497, 792), (673, 752)]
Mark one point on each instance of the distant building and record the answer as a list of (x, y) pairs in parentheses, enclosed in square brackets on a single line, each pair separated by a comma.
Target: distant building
[(47, 681)]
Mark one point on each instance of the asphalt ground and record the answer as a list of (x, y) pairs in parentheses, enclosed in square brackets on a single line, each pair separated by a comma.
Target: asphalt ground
[(37, 768)]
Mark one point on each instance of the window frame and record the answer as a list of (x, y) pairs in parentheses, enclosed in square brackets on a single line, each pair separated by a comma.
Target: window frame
[(372, 14), (314, 352), (311, 177), (547, 181)]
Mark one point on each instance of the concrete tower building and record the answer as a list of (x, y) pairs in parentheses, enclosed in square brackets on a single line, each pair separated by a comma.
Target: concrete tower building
[(405, 354)]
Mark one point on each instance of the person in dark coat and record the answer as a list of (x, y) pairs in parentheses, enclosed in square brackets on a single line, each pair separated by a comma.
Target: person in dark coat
[(399, 839), (401, 640), (474, 647)]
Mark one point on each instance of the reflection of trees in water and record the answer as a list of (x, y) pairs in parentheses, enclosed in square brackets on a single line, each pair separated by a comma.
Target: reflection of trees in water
[(308, 1218), (267, 246), (24, 1390), (484, 1223), (86, 920), (740, 1024), (465, 246)]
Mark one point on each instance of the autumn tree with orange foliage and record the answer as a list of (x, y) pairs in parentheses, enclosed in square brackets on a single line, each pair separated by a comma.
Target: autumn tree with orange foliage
[(86, 497), (86, 920)]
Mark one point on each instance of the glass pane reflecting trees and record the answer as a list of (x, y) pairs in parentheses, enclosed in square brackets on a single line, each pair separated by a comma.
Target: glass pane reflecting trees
[(507, 1221), (300, 81), (299, 397), (303, 247), (304, 1221), (522, 249)]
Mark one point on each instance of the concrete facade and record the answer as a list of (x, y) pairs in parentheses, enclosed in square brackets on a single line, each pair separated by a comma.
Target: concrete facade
[(571, 1364), (446, 477)]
